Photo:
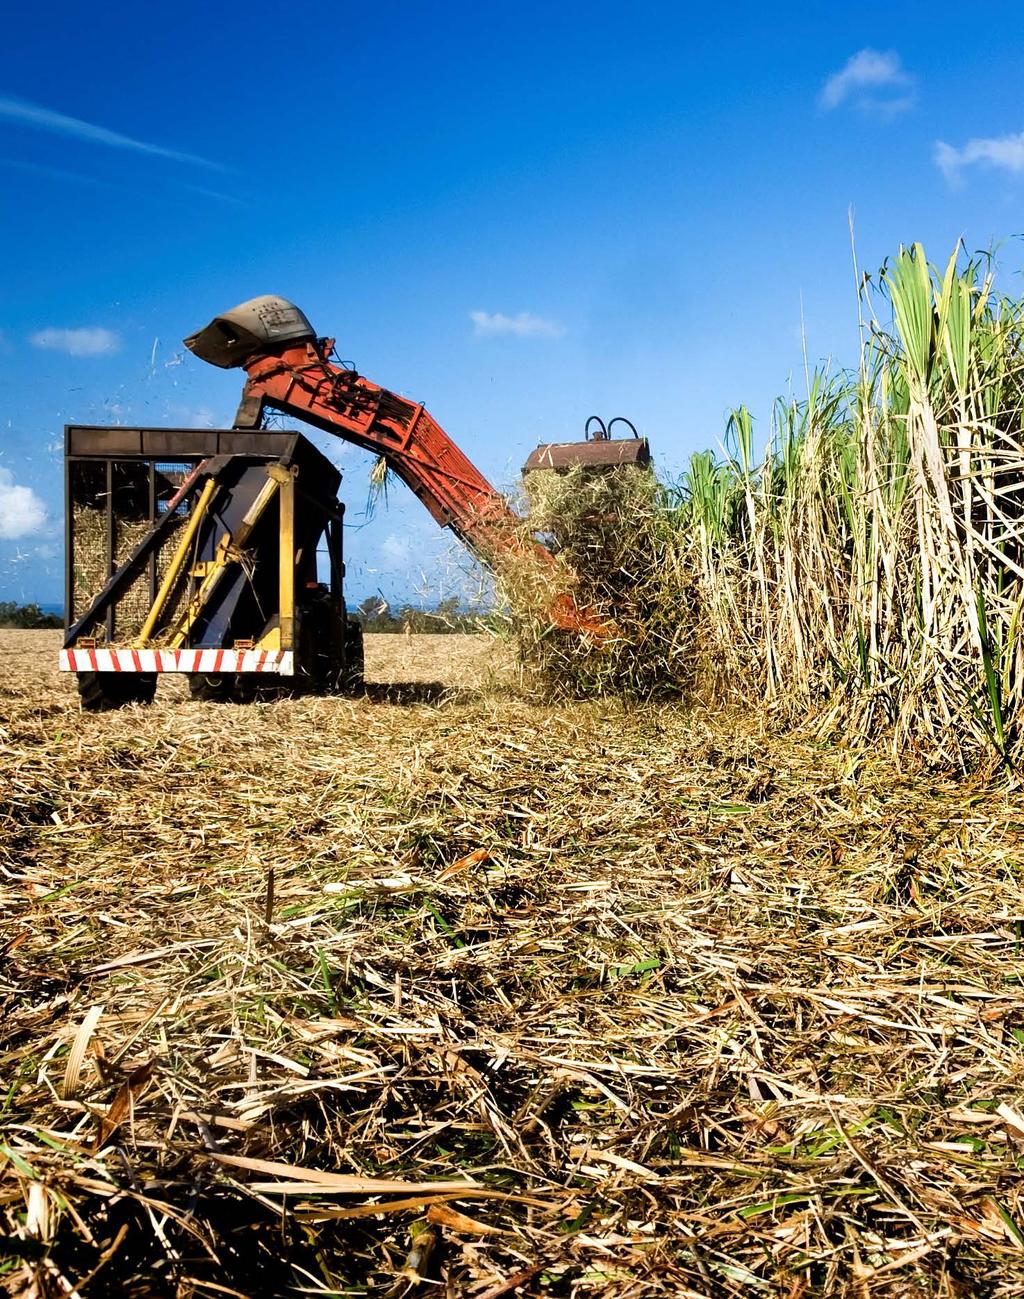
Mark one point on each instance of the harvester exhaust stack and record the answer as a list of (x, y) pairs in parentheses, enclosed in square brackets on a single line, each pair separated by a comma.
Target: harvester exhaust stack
[(598, 451)]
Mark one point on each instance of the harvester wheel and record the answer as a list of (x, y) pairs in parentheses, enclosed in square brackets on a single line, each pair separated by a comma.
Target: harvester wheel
[(351, 681), (249, 686), (212, 689), (102, 691)]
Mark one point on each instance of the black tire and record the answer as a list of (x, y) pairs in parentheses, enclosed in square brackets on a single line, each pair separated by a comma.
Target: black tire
[(351, 681), (212, 689), (102, 691), (250, 686)]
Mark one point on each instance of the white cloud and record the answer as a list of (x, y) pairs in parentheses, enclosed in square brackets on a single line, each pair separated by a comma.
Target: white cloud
[(21, 510), (395, 549), (525, 325), (47, 119), (1006, 151), (202, 417), (874, 79), (77, 342), (180, 415)]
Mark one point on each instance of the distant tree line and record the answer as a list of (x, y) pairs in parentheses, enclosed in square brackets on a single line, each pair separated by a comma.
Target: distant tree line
[(376, 615), (28, 616)]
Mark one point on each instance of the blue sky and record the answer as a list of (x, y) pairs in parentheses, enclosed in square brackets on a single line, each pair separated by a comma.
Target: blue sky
[(519, 215)]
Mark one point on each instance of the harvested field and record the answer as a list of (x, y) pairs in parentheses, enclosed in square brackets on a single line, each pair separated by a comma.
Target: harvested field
[(675, 1006)]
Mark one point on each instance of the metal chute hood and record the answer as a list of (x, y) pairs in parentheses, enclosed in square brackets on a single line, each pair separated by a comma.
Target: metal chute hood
[(259, 325)]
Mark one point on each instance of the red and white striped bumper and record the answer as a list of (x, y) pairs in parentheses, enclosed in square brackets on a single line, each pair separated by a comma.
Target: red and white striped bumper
[(212, 662)]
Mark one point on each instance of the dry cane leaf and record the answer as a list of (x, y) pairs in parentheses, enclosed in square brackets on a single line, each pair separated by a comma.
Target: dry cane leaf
[(76, 1055), (475, 858), (445, 1216), (342, 1183), (128, 1093)]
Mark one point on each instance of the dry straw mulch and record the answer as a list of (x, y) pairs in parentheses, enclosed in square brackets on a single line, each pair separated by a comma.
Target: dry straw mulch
[(579, 1000)]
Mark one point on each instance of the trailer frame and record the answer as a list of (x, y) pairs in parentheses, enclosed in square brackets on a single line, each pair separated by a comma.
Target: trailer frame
[(94, 642)]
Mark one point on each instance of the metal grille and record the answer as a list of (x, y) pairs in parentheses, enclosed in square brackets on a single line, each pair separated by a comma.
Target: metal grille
[(112, 510)]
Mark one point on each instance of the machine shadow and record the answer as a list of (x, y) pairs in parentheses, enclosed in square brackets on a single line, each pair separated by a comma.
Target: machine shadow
[(405, 693)]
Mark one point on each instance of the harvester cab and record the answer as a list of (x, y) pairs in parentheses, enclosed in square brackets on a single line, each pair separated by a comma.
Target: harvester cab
[(598, 451)]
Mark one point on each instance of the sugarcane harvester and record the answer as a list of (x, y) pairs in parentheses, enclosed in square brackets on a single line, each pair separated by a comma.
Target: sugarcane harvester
[(207, 540)]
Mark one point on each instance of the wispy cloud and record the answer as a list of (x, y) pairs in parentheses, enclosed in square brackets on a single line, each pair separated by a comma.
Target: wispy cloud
[(76, 177), (59, 173), (214, 193), (77, 342), (21, 510), (1005, 151), (48, 119), (524, 325), (874, 80)]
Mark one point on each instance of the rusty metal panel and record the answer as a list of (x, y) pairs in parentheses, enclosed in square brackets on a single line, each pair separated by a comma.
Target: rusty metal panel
[(202, 443), (258, 443), (177, 443), (173, 444), (598, 453), (103, 441)]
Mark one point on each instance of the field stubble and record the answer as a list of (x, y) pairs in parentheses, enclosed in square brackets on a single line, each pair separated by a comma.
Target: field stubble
[(682, 1007)]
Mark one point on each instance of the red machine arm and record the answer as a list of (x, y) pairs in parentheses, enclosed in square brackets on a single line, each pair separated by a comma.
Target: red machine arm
[(301, 381), (289, 368)]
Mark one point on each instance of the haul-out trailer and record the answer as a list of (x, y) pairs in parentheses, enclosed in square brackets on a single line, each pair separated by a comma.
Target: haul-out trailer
[(217, 553)]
